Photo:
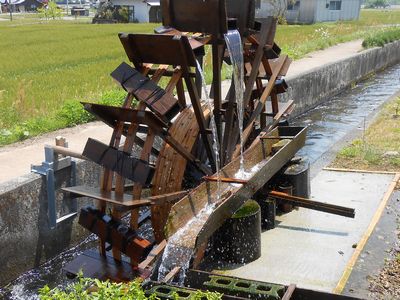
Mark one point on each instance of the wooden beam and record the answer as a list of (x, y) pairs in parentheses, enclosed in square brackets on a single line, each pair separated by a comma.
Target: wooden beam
[(315, 205), (156, 252)]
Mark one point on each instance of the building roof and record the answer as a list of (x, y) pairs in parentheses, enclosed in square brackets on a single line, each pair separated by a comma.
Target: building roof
[(16, 2)]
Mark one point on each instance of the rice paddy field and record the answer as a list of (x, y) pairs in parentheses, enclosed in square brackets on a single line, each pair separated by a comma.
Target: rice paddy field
[(46, 68)]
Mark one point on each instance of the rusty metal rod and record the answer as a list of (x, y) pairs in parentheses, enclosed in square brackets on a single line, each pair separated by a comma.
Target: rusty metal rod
[(224, 179), (276, 138), (310, 204)]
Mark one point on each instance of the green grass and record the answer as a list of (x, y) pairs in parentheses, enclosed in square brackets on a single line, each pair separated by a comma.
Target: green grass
[(44, 65), (381, 38), (299, 40), (381, 137)]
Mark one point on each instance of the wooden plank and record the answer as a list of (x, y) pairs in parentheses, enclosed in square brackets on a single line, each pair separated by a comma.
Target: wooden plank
[(156, 49), (120, 180), (176, 77), (171, 275), (124, 200), (159, 73), (171, 166), (124, 164), (287, 107), (229, 123), (256, 62), (189, 15), (107, 176), (217, 53), (310, 204), (153, 255), (137, 187), (232, 197), (289, 292), (145, 89), (112, 114), (94, 265), (181, 93), (195, 99), (258, 110)]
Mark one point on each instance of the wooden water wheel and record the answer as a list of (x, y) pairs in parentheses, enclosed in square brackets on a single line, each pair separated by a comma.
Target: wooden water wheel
[(164, 81)]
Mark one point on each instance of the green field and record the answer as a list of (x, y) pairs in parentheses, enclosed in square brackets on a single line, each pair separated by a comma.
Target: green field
[(44, 65)]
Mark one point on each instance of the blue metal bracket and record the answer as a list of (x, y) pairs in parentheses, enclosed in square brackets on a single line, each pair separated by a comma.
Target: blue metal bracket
[(48, 168)]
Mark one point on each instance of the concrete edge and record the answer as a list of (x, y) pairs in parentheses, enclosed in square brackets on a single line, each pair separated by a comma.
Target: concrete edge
[(363, 241)]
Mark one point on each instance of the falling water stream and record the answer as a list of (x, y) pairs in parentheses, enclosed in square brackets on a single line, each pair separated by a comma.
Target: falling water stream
[(327, 123), (235, 49), (175, 255), (213, 125)]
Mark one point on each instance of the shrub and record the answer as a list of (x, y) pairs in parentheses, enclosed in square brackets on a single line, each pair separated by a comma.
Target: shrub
[(107, 11), (87, 288)]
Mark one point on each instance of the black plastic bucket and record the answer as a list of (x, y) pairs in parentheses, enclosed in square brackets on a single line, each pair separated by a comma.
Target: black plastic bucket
[(298, 175)]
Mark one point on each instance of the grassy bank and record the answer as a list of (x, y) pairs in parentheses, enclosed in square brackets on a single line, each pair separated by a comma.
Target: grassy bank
[(381, 38), (379, 148), (298, 40), (44, 65)]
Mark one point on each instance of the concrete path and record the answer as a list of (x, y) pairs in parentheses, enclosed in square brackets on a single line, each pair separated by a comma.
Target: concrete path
[(16, 159), (325, 57), (310, 248)]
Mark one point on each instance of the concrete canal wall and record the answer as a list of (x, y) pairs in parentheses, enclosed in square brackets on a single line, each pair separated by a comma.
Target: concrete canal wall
[(26, 240), (317, 85)]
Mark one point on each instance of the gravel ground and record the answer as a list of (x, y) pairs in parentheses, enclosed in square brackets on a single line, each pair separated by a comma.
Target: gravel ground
[(386, 285)]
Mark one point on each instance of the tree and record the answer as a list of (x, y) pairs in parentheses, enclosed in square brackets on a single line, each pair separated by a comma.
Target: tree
[(377, 3), (278, 7), (51, 10)]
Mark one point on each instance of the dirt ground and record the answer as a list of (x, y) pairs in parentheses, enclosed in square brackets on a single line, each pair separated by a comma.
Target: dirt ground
[(386, 285)]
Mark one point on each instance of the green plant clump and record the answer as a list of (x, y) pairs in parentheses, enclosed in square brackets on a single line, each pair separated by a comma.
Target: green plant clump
[(247, 209), (381, 38), (87, 288)]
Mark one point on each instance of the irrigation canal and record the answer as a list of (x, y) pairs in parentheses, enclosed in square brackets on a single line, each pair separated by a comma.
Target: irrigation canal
[(328, 123)]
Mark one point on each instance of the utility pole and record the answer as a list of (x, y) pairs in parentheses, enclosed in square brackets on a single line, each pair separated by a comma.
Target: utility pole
[(67, 8), (10, 9)]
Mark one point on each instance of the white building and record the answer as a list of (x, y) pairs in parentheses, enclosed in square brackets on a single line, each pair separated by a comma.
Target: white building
[(141, 11), (313, 11)]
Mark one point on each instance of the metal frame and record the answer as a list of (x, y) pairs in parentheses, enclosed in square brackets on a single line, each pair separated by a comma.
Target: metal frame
[(48, 168)]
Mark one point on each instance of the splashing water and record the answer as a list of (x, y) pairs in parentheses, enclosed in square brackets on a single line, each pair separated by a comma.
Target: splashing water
[(175, 253), (235, 49), (213, 129)]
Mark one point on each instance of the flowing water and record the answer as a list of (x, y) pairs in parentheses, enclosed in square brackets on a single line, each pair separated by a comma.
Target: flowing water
[(213, 125), (331, 121), (328, 123), (175, 255), (235, 49)]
